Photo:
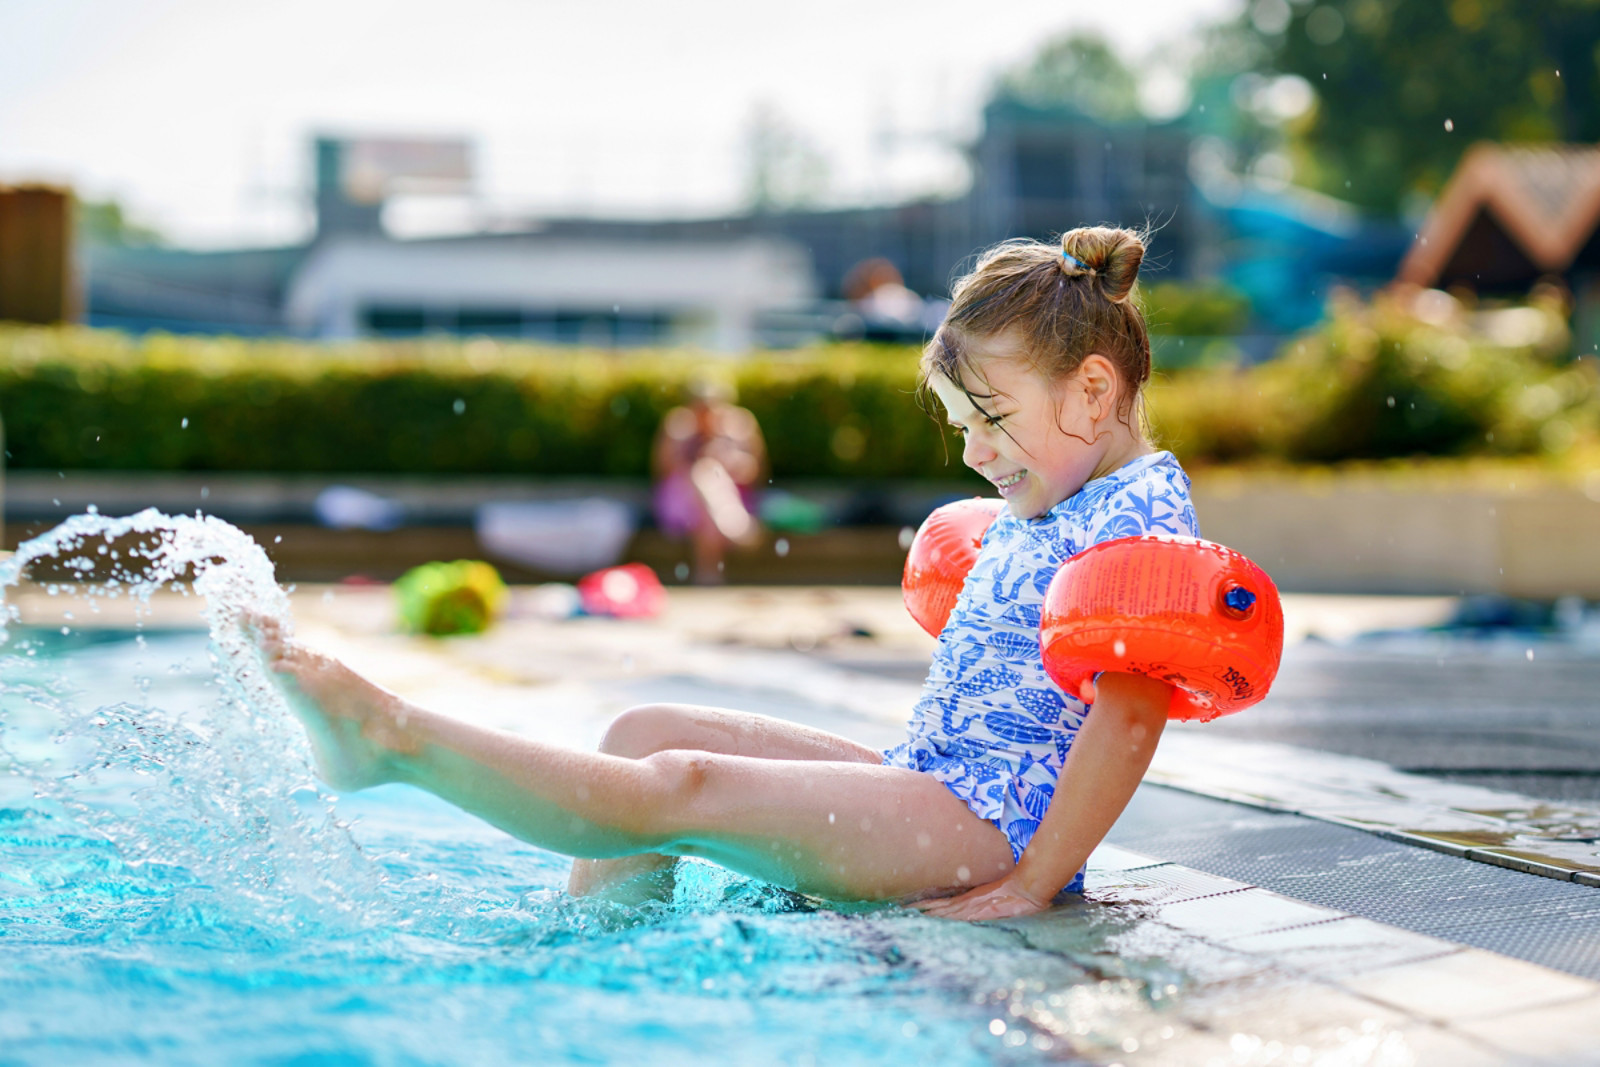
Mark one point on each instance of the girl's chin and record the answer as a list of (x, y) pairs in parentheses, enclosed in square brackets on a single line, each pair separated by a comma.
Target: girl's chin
[(1029, 505)]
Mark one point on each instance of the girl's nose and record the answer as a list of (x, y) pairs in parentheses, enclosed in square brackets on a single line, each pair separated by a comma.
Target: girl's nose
[(975, 450)]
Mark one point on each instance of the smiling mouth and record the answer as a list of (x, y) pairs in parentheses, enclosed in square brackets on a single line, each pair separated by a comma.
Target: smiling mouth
[(1009, 480)]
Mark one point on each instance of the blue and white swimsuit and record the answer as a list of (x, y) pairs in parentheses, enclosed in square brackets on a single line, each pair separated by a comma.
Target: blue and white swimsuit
[(991, 725)]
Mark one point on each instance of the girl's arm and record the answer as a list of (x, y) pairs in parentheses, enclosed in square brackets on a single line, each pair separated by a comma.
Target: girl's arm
[(1105, 765)]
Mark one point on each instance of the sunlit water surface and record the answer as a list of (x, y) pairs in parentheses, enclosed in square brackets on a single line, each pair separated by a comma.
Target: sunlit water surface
[(175, 884)]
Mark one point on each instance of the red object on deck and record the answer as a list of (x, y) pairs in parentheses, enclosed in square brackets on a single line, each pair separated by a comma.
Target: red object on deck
[(630, 591), (941, 554), (1192, 613)]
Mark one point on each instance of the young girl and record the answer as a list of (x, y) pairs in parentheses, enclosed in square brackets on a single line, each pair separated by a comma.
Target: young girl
[(1005, 783)]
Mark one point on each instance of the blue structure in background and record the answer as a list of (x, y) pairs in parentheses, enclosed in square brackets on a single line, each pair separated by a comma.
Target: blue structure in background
[(1286, 249)]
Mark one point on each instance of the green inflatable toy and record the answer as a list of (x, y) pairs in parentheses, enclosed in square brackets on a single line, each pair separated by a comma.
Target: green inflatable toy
[(463, 597)]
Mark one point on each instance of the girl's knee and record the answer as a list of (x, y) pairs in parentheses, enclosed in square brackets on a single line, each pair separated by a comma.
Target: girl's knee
[(645, 729), (675, 780)]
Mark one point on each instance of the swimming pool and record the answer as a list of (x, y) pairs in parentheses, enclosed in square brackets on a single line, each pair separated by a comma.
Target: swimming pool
[(176, 885)]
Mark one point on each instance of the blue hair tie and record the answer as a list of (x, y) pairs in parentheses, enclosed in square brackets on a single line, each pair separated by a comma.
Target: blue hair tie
[(1072, 260)]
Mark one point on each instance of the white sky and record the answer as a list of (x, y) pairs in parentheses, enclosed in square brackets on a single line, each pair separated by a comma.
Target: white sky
[(196, 114)]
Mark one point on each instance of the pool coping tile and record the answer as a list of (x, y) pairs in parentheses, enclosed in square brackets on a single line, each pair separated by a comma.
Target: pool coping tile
[(1471, 985), (1107, 857), (1341, 948), (1246, 912), (1561, 1033), (1426, 1043), (1158, 885)]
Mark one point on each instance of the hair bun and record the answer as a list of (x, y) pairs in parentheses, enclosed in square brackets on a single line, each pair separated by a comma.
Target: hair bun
[(1113, 255)]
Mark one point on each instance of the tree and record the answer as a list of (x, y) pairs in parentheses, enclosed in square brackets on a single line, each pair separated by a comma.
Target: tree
[(784, 168), (103, 222), (1405, 86), (1080, 71)]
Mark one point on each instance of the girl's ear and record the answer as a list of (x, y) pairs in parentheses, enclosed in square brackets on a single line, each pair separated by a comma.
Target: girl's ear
[(1099, 378)]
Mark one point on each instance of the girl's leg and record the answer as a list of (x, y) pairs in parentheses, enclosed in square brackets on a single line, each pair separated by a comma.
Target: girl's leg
[(720, 501), (721, 520), (651, 728), (846, 830)]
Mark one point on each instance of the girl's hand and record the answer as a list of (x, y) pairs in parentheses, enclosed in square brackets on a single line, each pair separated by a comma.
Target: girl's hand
[(1005, 899)]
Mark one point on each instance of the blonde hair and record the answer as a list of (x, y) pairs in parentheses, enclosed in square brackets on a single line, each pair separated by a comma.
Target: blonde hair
[(1063, 302)]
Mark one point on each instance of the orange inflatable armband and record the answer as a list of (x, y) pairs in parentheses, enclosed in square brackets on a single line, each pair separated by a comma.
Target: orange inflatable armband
[(1192, 613), (942, 553)]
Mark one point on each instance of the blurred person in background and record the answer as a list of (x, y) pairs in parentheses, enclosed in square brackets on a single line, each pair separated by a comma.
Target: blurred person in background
[(709, 461), (882, 308)]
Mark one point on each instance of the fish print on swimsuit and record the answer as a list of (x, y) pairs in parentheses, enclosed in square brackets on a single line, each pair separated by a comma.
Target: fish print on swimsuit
[(991, 725)]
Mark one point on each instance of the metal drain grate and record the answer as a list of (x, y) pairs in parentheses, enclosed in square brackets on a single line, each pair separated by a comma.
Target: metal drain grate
[(1552, 923)]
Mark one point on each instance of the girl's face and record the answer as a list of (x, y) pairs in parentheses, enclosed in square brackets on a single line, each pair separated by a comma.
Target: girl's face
[(1038, 442)]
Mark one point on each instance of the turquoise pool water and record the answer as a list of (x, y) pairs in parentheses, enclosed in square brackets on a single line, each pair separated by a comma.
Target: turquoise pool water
[(176, 886)]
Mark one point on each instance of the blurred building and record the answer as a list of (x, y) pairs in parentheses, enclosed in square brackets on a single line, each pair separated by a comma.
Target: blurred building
[(37, 283), (1511, 217), (589, 284), (757, 277), (594, 291), (146, 287), (1037, 171), (1040, 170)]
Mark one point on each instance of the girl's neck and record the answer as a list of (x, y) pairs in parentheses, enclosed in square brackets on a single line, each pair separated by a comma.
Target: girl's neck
[(1124, 447)]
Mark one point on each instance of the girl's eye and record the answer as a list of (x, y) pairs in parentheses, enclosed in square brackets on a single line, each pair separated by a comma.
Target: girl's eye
[(988, 420)]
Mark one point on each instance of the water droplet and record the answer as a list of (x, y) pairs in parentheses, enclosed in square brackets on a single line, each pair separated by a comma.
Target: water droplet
[(781, 547), (185, 422), (460, 406), (1449, 126)]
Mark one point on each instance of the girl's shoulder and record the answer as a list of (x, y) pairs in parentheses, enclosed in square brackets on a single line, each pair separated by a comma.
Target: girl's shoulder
[(1148, 495)]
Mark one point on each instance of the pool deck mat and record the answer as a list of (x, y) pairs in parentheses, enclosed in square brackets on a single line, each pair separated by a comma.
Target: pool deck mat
[(1327, 909)]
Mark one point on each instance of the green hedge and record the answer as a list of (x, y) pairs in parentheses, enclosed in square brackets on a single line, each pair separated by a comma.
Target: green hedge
[(1375, 381), (75, 398), (1189, 309), (1378, 380)]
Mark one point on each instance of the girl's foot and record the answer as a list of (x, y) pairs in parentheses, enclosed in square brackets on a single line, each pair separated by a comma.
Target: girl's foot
[(355, 727)]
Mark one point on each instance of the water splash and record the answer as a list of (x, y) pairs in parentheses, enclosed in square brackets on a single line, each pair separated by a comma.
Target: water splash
[(197, 806)]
